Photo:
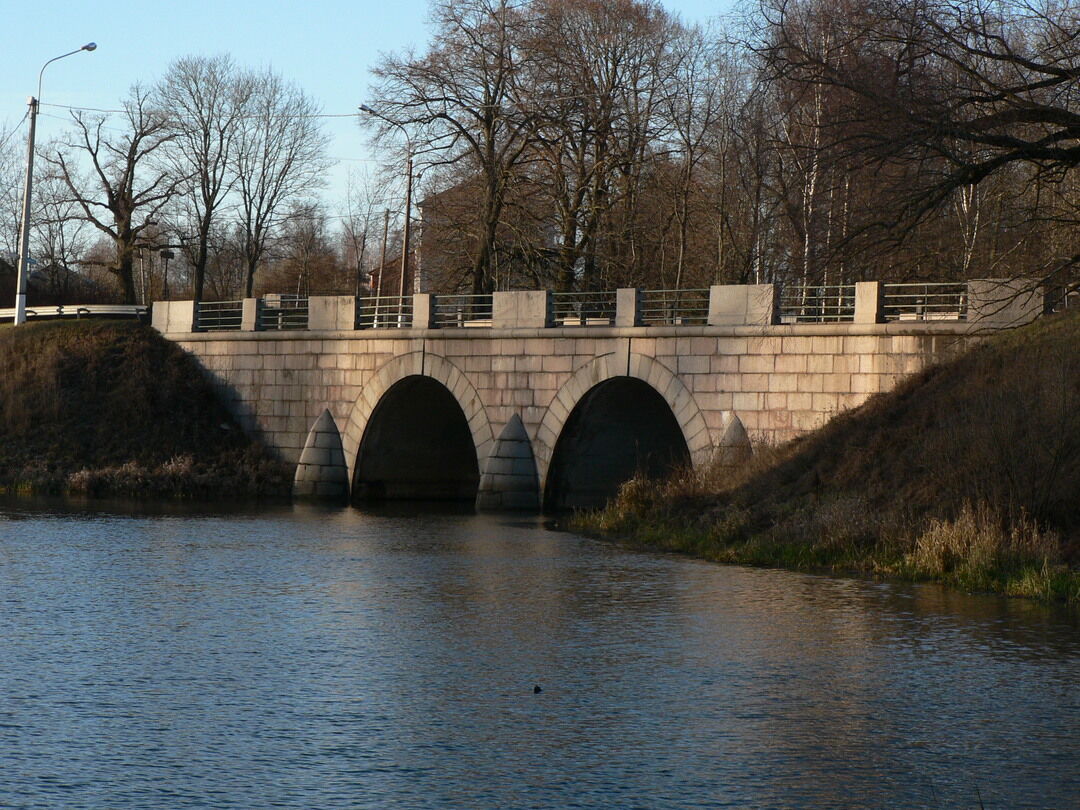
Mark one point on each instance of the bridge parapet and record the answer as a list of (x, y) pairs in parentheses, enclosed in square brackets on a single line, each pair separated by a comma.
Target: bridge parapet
[(990, 302)]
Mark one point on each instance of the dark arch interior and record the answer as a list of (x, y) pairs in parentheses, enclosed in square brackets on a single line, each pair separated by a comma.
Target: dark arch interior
[(620, 427), (417, 446)]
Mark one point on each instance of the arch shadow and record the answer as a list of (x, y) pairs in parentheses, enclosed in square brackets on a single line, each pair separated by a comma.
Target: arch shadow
[(621, 428), (418, 430), (665, 396), (417, 446)]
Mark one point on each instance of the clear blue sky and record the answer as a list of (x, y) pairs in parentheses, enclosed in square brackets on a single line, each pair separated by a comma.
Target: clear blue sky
[(324, 46)]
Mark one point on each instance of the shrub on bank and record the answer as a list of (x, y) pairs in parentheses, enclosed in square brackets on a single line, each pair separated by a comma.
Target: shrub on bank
[(978, 551), (112, 408)]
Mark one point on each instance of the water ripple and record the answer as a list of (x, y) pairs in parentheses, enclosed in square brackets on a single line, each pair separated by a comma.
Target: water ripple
[(303, 657)]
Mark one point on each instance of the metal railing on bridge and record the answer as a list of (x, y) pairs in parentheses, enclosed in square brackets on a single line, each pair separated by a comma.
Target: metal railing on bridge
[(461, 310), (942, 301), (583, 308), (283, 312), (819, 303), (219, 316), (720, 306), (674, 307), (384, 312)]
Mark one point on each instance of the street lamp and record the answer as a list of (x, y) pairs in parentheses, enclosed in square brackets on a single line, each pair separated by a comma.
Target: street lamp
[(23, 277), (408, 202)]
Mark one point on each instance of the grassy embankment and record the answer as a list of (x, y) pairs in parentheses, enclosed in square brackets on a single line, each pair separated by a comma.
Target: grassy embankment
[(111, 408), (967, 474)]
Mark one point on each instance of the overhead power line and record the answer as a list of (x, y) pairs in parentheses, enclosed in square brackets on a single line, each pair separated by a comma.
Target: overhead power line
[(73, 108), (14, 129)]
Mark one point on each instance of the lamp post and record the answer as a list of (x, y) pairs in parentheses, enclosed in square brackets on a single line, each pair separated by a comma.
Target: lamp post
[(165, 254), (144, 279), (23, 277), (408, 202)]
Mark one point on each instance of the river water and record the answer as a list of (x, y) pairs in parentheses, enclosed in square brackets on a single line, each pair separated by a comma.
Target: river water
[(317, 658)]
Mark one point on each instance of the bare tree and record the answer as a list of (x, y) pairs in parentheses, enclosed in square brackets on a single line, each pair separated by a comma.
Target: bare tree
[(226, 263), (598, 80), (60, 238), (12, 168), (305, 261), (937, 96), (694, 108), (278, 157), (601, 142), (459, 101), (362, 223), (123, 189), (206, 98)]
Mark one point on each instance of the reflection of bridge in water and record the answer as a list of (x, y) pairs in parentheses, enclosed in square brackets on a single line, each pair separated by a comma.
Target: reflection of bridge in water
[(539, 399)]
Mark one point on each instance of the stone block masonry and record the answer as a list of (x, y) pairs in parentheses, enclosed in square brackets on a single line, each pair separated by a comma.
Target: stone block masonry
[(278, 384), (509, 477), (321, 472)]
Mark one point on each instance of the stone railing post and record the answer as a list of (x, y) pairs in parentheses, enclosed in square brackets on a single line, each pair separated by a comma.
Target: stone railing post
[(628, 306), (742, 305), (868, 302), (1005, 301), (331, 312), (249, 321), (521, 309), (423, 310), (173, 316)]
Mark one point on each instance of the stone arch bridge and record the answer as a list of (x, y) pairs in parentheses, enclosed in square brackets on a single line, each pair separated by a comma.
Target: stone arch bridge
[(532, 401)]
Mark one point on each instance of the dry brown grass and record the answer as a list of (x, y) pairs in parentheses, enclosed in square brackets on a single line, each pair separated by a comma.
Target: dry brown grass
[(979, 551), (977, 541)]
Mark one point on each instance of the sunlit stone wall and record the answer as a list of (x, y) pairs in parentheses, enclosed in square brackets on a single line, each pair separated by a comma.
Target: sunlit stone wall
[(779, 380)]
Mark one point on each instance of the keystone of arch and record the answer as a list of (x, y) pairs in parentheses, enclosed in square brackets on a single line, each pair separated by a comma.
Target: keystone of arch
[(652, 372), (410, 365)]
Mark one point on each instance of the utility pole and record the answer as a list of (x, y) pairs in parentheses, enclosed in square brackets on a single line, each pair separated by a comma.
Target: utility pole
[(23, 275), (22, 281), (382, 258), (382, 263), (408, 218)]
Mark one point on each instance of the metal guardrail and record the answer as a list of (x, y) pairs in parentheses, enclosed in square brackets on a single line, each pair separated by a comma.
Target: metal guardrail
[(384, 312), (583, 308), (79, 311), (824, 303), (939, 301), (283, 312), (219, 316), (674, 307), (461, 310)]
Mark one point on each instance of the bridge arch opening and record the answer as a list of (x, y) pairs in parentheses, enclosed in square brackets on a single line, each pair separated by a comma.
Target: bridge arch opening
[(416, 446), (620, 427)]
